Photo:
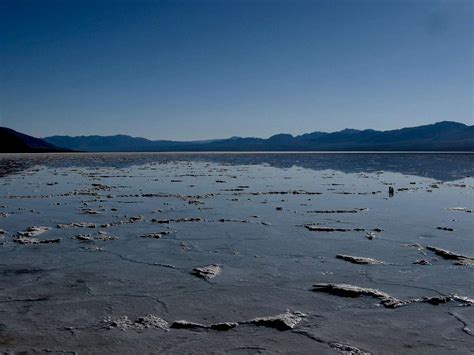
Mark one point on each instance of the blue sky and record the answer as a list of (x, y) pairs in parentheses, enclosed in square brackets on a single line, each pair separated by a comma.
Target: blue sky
[(211, 69)]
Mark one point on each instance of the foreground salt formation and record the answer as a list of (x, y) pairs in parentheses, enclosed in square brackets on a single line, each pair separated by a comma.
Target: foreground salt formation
[(386, 300), (458, 259), (359, 259), (284, 321), (207, 272)]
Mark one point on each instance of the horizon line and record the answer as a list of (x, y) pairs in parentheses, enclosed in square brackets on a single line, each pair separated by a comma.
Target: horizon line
[(234, 136)]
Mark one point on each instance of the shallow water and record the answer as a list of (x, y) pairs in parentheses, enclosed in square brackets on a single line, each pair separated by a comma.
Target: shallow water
[(254, 211)]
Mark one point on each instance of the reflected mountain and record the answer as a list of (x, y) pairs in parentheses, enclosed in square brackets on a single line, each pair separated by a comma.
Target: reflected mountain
[(438, 166)]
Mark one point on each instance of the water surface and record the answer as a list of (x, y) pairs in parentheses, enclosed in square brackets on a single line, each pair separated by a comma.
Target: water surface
[(250, 214)]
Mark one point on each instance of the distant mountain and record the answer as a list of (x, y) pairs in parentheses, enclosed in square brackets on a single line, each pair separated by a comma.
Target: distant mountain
[(120, 143), (441, 136), (14, 142)]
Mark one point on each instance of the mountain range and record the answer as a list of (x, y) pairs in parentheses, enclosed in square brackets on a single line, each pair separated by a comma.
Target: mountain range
[(441, 136)]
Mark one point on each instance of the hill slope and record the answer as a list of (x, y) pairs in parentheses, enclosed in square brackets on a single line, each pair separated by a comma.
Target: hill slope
[(15, 142)]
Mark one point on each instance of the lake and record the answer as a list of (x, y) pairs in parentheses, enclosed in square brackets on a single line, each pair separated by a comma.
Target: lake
[(237, 253)]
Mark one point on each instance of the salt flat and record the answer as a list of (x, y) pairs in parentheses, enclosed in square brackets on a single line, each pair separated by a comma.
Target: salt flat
[(238, 253)]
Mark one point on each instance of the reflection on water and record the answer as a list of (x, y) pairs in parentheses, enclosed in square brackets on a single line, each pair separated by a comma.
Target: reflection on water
[(439, 166)]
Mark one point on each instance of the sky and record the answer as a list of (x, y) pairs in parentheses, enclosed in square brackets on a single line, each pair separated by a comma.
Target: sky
[(204, 69)]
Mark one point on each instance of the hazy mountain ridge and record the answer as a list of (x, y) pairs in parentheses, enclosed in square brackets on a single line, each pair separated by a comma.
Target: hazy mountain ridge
[(447, 136), (441, 136), (118, 142)]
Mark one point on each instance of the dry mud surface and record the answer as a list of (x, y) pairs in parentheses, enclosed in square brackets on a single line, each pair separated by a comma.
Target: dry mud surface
[(237, 253)]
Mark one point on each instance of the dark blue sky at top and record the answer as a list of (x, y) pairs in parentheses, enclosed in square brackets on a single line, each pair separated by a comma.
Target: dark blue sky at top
[(211, 69)]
